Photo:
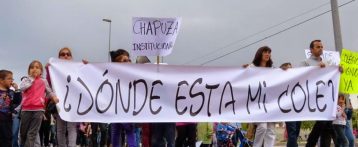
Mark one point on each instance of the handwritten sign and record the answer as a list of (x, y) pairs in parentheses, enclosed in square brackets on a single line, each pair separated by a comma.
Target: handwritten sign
[(154, 36), (349, 77), (354, 100), (331, 56), (112, 92)]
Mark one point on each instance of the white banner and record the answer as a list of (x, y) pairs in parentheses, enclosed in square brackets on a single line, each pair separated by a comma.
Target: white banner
[(154, 36), (331, 56), (112, 92)]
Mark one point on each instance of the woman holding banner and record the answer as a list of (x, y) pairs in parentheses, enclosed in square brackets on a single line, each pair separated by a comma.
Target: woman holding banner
[(265, 132), (63, 127), (122, 56)]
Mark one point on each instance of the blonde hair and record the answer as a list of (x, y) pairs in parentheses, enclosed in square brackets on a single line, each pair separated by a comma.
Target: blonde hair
[(64, 48)]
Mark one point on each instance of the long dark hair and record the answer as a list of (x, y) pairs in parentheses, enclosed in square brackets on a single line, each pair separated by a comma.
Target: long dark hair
[(258, 56)]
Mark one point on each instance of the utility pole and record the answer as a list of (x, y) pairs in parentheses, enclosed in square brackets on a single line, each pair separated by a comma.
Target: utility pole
[(109, 38), (336, 26), (338, 36)]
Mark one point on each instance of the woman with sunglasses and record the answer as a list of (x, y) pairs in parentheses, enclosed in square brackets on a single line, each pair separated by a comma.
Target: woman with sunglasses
[(63, 126)]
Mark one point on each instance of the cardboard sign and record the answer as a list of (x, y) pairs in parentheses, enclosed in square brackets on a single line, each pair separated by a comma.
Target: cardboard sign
[(154, 36), (349, 77), (331, 56)]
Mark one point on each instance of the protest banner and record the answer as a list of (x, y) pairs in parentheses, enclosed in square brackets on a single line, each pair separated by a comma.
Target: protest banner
[(154, 36), (112, 92), (349, 77), (332, 57)]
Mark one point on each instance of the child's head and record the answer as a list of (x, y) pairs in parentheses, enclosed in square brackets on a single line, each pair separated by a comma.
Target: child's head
[(142, 59), (341, 99), (35, 69), (6, 79), (65, 53), (120, 55), (286, 65)]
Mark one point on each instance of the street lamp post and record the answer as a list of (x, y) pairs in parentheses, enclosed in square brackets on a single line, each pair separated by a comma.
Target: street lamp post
[(336, 26), (109, 38)]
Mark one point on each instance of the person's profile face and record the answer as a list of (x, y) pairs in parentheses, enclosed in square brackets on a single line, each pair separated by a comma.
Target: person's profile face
[(7, 81)]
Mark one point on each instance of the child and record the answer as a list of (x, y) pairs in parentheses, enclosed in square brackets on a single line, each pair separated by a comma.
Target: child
[(8, 101), (340, 122), (34, 91)]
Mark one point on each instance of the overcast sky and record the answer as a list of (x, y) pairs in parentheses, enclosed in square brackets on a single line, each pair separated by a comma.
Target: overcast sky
[(36, 29)]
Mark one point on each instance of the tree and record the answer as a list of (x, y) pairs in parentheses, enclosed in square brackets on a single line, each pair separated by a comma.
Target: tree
[(307, 125)]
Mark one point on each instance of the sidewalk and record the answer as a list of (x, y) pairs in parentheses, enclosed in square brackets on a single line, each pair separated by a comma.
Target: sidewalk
[(303, 143), (280, 141)]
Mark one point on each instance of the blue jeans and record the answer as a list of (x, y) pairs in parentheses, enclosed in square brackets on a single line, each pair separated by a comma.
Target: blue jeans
[(349, 134), (96, 141), (15, 130), (341, 137), (137, 131), (293, 131)]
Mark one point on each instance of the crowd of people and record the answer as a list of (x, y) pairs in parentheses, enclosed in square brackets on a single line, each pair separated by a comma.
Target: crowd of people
[(29, 118)]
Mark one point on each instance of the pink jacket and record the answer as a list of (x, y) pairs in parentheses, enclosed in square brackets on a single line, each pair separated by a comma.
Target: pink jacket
[(34, 93)]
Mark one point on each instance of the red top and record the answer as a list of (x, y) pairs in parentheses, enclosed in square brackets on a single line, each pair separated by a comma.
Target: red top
[(34, 96)]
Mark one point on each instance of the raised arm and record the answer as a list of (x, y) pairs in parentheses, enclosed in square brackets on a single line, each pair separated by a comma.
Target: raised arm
[(26, 83)]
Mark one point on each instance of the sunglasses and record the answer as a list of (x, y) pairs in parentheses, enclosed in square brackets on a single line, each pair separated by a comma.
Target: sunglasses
[(65, 54)]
